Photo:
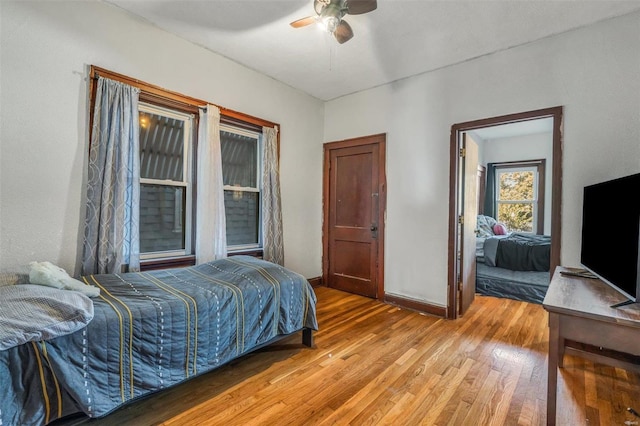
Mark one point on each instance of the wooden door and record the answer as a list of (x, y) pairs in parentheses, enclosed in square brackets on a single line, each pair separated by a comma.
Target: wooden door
[(354, 212), (469, 214)]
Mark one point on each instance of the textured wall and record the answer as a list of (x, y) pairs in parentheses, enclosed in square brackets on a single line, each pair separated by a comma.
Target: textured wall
[(592, 72), (47, 48)]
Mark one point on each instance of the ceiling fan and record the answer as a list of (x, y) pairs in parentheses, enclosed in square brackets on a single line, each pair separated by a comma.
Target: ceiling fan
[(330, 13)]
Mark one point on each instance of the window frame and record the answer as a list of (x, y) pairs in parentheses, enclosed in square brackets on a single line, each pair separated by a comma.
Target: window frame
[(160, 96), (188, 165), (229, 128), (538, 166)]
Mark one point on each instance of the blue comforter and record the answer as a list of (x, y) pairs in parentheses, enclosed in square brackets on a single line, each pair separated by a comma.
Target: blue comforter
[(151, 331), (518, 252)]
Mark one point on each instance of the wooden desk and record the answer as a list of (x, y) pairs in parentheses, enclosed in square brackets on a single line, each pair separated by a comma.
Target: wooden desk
[(579, 311)]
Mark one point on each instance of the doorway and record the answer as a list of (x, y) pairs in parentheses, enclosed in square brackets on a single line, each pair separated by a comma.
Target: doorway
[(354, 205), (461, 256)]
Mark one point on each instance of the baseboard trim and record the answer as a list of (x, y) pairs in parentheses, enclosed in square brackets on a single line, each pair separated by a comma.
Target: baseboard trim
[(416, 305), (315, 282)]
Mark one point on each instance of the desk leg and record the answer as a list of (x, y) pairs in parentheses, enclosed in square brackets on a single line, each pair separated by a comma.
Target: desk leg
[(556, 355)]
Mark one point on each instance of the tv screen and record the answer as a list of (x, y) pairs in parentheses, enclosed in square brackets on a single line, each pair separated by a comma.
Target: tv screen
[(611, 233)]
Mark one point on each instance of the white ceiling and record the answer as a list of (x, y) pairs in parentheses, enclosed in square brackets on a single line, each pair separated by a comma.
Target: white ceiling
[(399, 39)]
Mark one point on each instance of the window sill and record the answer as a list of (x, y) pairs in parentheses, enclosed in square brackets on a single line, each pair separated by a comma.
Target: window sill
[(257, 252), (182, 261), (167, 262)]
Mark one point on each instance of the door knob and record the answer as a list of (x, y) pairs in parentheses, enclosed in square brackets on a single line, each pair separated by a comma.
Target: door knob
[(374, 227)]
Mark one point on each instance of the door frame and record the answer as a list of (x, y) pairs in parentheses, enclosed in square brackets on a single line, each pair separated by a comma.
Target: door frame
[(381, 141), (455, 186)]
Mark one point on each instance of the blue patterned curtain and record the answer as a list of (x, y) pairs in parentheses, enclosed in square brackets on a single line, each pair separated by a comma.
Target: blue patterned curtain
[(273, 247), (111, 236)]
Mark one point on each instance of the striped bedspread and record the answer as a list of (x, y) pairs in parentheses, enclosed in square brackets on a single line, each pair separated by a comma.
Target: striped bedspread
[(152, 330)]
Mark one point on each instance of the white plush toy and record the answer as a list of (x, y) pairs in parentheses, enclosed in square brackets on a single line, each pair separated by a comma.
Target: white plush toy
[(46, 273)]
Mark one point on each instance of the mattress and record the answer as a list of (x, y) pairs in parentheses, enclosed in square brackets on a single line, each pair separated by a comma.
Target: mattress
[(527, 286)]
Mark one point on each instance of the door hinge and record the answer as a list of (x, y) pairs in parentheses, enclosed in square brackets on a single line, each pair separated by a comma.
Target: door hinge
[(461, 220), (460, 285), (463, 152)]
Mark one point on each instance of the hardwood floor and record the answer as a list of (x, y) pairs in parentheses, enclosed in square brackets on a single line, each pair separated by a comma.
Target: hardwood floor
[(375, 364)]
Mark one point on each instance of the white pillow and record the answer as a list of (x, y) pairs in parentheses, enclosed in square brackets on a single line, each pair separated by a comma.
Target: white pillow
[(485, 225), (34, 312), (46, 273)]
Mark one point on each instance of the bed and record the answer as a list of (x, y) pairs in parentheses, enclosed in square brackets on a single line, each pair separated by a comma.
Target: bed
[(150, 331), (527, 286), (511, 265)]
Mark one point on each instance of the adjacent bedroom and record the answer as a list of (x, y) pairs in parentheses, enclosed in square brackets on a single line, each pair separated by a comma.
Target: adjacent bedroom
[(514, 192)]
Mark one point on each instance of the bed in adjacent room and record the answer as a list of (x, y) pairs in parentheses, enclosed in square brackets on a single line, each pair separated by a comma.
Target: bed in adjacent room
[(146, 331), (511, 265)]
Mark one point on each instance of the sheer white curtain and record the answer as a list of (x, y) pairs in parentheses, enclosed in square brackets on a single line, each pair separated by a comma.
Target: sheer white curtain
[(211, 229), (273, 247), (111, 235)]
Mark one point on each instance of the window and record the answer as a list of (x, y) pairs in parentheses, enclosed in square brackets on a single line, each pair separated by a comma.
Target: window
[(241, 161), (168, 162), (166, 197), (519, 196)]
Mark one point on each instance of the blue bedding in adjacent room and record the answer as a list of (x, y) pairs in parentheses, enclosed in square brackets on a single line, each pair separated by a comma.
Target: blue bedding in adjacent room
[(514, 265), (152, 330), (527, 286)]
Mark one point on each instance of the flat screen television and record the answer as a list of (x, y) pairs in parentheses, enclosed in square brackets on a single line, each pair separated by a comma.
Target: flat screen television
[(610, 246)]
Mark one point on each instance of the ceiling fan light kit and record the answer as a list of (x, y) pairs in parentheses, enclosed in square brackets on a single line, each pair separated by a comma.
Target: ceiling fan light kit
[(330, 23), (329, 16)]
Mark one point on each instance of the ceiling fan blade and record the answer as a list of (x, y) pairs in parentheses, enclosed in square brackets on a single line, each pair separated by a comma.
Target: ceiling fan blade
[(343, 33), (303, 22), (358, 7)]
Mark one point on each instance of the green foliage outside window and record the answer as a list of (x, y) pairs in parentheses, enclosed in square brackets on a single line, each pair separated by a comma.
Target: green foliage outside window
[(515, 200)]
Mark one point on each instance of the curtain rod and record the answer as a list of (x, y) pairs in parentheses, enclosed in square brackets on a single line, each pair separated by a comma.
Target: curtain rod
[(518, 162), (193, 102)]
